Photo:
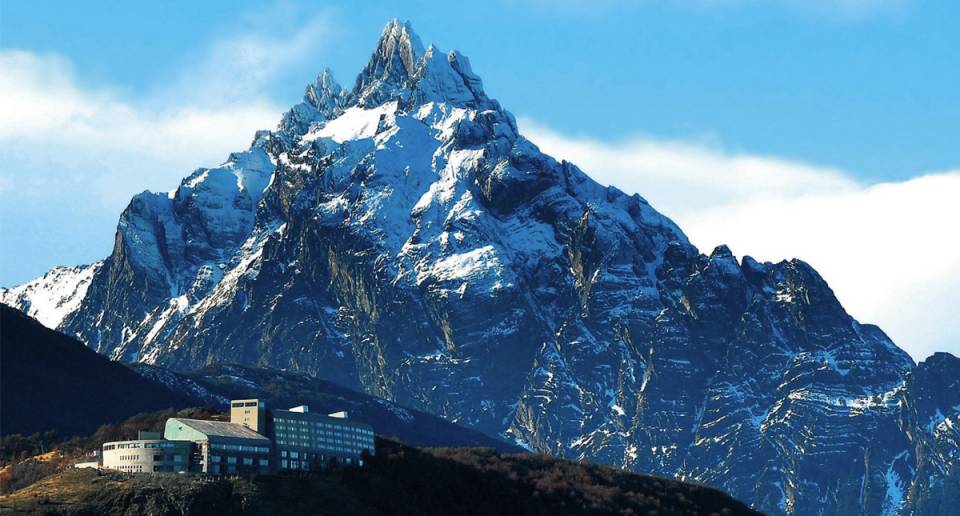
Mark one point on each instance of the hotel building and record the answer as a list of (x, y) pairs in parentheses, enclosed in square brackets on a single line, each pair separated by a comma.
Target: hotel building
[(256, 440)]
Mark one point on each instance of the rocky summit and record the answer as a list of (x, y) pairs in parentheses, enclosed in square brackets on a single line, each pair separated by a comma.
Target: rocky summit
[(402, 238)]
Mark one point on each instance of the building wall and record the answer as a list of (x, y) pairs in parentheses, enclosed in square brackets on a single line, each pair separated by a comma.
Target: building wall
[(306, 441), (222, 458), (147, 456), (249, 413)]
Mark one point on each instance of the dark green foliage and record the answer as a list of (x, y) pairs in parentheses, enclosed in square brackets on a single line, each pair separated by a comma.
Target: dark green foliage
[(404, 480)]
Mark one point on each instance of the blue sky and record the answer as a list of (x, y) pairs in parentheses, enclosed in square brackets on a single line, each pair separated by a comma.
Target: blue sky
[(867, 85), (832, 123)]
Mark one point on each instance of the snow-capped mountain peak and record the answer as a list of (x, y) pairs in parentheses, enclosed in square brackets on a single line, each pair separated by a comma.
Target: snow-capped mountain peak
[(325, 94), (404, 239), (391, 67)]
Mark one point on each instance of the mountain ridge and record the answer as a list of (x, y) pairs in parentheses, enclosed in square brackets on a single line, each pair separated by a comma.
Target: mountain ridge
[(410, 243), (51, 382)]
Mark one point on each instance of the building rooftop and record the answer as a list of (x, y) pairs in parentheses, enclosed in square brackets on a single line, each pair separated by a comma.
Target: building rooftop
[(217, 428), (338, 417)]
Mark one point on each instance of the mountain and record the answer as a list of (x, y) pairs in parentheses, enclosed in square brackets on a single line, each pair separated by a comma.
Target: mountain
[(398, 480), (400, 237), (49, 381)]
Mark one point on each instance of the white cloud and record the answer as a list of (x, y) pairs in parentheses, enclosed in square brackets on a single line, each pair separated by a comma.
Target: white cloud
[(237, 67), (676, 175), (890, 251), (40, 103), (75, 154), (212, 107)]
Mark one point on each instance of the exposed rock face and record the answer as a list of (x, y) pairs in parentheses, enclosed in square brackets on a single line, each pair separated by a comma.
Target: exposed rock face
[(404, 239)]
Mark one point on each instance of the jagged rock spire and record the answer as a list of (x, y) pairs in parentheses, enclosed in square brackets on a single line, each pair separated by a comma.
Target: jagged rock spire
[(400, 69), (392, 65), (325, 94), (322, 100)]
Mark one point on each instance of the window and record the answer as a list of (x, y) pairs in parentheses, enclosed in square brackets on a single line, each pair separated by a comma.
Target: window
[(264, 462), (283, 453), (231, 460), (237, 404), (157, 458), (178, 458), (214, 458), (247, 461), (294, 455)]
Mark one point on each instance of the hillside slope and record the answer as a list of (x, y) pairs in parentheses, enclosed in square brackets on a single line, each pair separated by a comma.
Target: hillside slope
[(399, 480), (49, 381)]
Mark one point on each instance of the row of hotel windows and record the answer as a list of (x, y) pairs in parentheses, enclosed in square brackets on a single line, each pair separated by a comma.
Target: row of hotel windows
[(174, 458), (332, 433), (231, 469), (240, 448), (322, 446), (239, 404), (122, 446), (305, 464), (325, 441), (156, 458), (294, 464), (159, 445), (297, 455), (293, 424), (328, 437), (338, 438), (125, 446), (131, 469), (247, 461)]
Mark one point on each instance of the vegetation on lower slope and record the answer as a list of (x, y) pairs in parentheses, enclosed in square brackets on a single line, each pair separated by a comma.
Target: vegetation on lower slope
[(399, 480)]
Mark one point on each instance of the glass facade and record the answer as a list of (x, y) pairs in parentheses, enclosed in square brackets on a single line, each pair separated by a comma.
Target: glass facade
[(227, 458), (306, 441)]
